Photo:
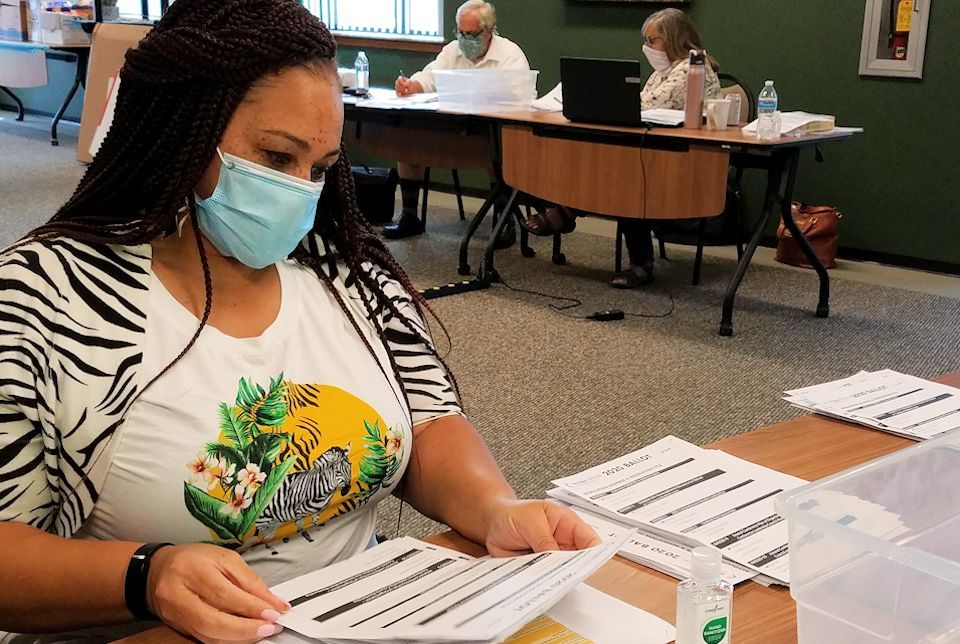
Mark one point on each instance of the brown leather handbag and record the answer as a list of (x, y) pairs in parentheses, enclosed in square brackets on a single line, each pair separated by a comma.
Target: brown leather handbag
[(819, 224)]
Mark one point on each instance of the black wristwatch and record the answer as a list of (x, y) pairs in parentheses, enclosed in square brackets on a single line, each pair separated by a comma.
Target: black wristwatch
[(135, 586)]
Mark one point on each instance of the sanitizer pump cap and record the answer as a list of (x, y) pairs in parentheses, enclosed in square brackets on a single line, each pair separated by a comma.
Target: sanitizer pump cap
[(705, 564)]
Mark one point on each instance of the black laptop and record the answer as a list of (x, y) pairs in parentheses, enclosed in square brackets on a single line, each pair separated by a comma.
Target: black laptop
[(597, 90)]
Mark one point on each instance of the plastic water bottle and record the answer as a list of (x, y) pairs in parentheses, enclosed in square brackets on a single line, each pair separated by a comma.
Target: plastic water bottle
[(362, 68), (767, 127)]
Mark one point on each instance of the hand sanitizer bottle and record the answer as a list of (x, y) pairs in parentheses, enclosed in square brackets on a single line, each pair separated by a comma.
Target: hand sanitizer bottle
[(705, 601)]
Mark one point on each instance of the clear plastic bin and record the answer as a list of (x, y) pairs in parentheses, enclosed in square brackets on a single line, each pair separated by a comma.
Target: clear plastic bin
[(875, 550), (476, 90)]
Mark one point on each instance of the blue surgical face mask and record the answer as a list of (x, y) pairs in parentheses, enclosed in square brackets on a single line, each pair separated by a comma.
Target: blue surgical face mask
[(471, 45), (256, 214)]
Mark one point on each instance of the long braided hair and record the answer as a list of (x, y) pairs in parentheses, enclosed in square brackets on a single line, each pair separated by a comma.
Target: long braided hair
[(178, 90)]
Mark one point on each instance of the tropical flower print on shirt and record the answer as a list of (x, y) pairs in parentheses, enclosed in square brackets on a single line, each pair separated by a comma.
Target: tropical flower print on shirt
[(289, 457)]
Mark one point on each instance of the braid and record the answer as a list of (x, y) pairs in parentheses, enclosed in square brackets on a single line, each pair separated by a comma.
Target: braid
[(179, 89)]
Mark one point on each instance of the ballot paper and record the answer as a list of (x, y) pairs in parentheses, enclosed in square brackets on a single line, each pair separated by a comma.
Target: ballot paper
[(886, 400), (406, 590), (695, 496), (661, 553), (584, 616)]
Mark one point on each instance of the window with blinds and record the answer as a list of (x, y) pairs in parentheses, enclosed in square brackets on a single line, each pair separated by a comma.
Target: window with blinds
[(420, 19), (140, 9)]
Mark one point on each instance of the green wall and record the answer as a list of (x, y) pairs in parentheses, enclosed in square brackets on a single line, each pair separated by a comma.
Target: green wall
[(895, 183)]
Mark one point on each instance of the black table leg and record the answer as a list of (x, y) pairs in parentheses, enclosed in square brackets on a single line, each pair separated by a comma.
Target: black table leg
[(781, 178), (16, 100), (786, 214), (487, 272), (464, 265), (78, 80), (777, 175)]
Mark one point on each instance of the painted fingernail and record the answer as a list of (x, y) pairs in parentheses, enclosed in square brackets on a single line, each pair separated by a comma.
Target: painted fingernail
[(267, 630), (269, 615)]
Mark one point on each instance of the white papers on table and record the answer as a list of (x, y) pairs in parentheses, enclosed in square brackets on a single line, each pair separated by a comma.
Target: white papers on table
[(695, 496), (803, 123), (885, 400), (387, 99), (551, 102), (406, 589), (660, 552), (584, 615), (662, 116), (587, 615)]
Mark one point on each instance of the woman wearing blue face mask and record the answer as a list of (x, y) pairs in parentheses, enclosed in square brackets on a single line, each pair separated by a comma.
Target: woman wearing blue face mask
[(668, 37), (478, 46), (213, 370)]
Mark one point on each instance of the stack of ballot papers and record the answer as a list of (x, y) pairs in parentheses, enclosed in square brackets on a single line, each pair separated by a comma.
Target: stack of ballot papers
[(662, 116), (886, 400), (803, 123), (691, 496), (387, 99), (659, 552), (407, 590)]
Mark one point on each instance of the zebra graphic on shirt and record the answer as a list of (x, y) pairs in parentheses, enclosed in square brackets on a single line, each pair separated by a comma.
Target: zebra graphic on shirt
[(303, 495)]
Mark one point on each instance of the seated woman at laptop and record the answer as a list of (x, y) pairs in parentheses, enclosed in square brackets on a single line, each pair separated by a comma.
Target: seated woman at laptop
[(668, 37)]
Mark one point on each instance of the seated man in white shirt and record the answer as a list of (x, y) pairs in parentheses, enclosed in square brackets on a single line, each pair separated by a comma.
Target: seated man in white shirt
[(477, 47)]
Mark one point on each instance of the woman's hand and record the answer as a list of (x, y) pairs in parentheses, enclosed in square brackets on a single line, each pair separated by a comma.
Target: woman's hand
[(211, 594), (520, 527)]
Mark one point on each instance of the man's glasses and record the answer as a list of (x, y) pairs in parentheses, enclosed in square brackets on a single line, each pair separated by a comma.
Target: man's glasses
[(652, 40)]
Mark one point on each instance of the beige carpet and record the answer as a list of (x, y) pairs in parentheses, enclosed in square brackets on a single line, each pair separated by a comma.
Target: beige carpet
[(551, 394)]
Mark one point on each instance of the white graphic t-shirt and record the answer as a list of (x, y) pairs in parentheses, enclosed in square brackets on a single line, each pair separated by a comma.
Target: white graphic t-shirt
[(278, 446)]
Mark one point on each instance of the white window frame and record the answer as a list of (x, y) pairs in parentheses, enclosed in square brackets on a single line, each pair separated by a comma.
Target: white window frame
[(322, 9)]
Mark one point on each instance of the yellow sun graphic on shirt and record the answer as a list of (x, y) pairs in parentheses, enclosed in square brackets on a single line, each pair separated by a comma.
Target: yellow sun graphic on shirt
[(289, 457)]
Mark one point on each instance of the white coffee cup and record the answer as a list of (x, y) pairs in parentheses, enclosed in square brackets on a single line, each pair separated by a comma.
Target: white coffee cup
[(718, 113)]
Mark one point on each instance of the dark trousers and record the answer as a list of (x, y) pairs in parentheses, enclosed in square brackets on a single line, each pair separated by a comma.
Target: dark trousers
[(636, 232)]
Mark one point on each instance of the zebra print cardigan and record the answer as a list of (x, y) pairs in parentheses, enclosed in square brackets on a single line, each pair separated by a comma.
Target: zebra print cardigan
[(72, 325)]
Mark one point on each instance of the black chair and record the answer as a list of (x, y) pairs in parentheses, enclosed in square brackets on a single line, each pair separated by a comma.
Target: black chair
[(730, 84)]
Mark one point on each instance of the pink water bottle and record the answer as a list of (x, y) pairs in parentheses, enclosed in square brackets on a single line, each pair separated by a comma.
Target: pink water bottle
[(696, 81)]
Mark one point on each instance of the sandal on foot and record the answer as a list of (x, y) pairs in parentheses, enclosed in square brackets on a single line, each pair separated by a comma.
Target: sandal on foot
[(552, 221), (633, 277)]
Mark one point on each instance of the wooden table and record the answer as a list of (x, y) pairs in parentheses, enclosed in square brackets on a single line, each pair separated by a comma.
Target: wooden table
[(652, 173), (618, 171), (810, 447), (81, 54)]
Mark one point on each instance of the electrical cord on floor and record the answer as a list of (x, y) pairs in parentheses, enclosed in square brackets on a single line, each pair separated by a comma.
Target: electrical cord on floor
[(600, 316), (572, 302)]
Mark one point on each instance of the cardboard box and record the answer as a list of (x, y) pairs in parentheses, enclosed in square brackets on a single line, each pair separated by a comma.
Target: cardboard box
[(62, 29), (15, 22), (111, 41)]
